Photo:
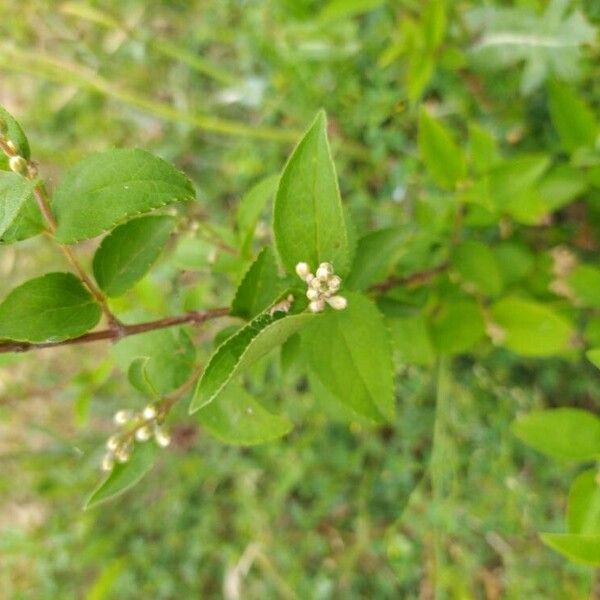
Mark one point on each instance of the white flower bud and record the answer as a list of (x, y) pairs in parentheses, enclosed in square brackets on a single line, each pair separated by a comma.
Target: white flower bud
[(316, 306), (123, 453), (303, 270), (312, 294), (163, 439), (122, 417), (149, 412), (108, 462), (142, 434), (337, 302), (334, 283), (18, 164), (324, 271), (315, 283), (112, 443)]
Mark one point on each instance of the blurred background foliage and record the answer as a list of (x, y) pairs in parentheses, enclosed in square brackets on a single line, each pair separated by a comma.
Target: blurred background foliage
[(336, 510)]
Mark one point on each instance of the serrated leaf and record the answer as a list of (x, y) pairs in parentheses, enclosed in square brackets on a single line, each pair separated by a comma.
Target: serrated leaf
[(50, 308), (443, 158), (563, 433), (308, 218), (110, 187), (242, 349), (259, 288), (235, 417), (250, 208), (124, 475), (15, 190), (583, 549), (573, 120), (477, 267), (16, 135), (376, 254), (531, 328), (349, 350), (457, 326), (412, 341), (170, 357), (128, 252), (583, 506), (483, 148)]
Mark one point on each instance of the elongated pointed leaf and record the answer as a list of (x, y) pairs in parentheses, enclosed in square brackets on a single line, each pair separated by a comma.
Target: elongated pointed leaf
[(128, 252), (16, 135), (235, 417), (51, 308), (443, 158), (583, 549), (14, 192), (308, 219), (259, 287), (350, 352), (583, 507), (563, 433), (110, 187), (243, 349), (124, 475)]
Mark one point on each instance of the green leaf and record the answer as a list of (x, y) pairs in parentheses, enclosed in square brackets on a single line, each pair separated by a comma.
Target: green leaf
[(514, 260), (15, 190), (169, 353), (250, 208), (531, 328), (584, 281), (483, 148), (110, 187), (560, 187), (124, 475), (563, 433), (350, 352), (235, 417), (572, 118), (137, 374), (126, 254), (594, 357), (443, 158), (308, 219), (376, 254), (343, 9), (478, 268), (457, 326), (259, 288), (583, 549), (583, 507), (51, 308), (242, 349), (412, 340), (16, 135)]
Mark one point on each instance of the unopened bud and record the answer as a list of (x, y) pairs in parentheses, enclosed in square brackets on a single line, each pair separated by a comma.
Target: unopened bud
[(312, 294), (324, 271), (149, 412), (112, 443), (334, 283), (302, 270), (337, 302), (316, 306), (142, 434), (163, 439), (123, 453), (122, 417), (108, 462), (18, 165)]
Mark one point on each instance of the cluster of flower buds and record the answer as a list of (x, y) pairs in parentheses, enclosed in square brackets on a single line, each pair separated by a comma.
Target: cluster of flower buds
[(134, 427), (322, 287), (18, 164)]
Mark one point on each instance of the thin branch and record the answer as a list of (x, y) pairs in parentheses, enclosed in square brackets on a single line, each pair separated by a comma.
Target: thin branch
[(193, 317), (411, 280)]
